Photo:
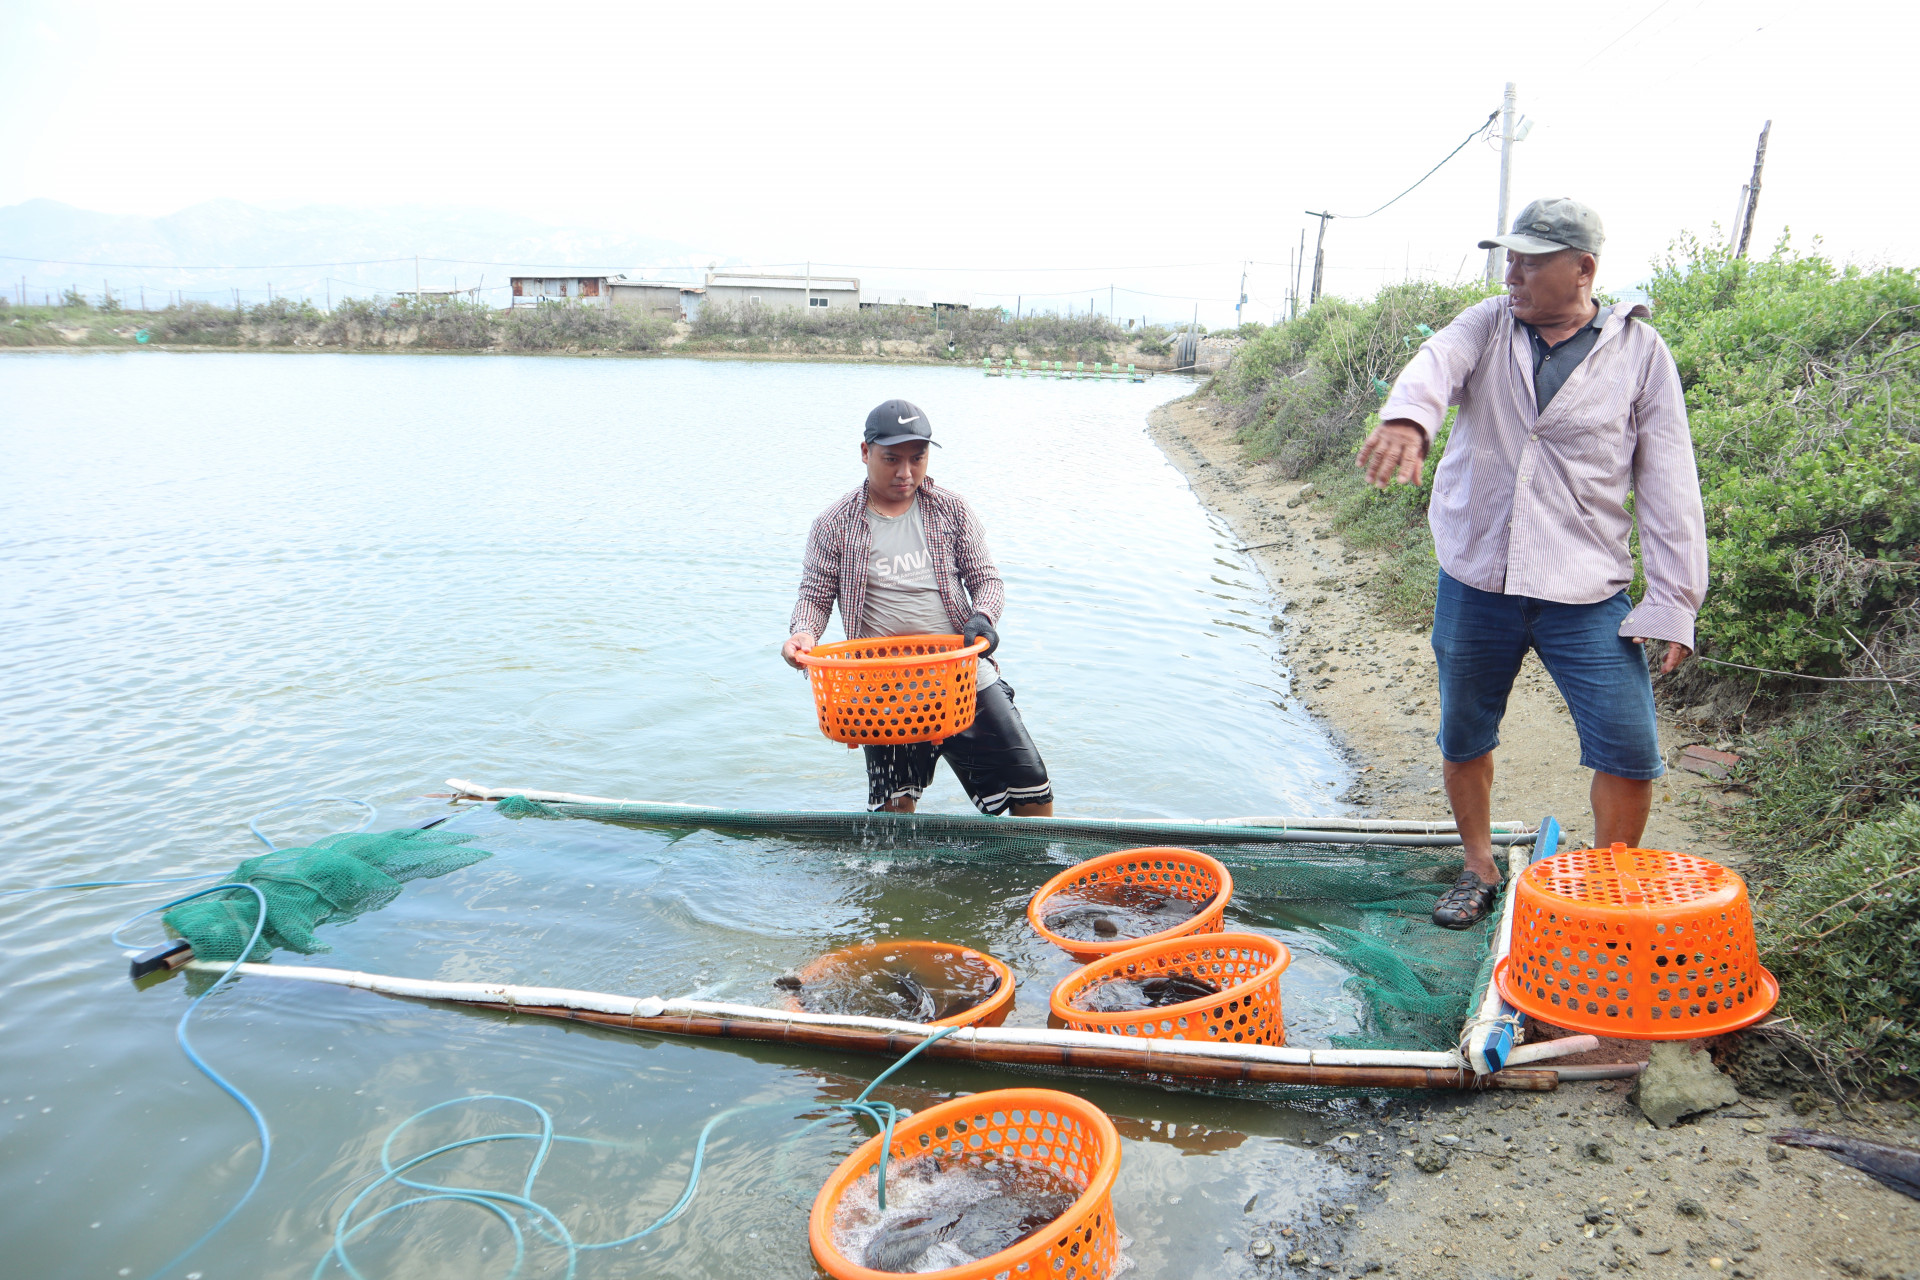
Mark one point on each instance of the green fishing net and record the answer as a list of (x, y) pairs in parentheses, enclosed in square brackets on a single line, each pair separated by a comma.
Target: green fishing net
[(1367, 901), (334, 879)]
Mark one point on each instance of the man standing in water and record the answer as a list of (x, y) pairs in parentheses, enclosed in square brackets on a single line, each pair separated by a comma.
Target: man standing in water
[(1565, 406), (902, 556)]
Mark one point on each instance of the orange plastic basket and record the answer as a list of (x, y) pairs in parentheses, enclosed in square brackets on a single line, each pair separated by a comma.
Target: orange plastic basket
[(882, 692), (1640, 944), (932, 962), (1245, 966), (1068, 1136), (1182, 873)]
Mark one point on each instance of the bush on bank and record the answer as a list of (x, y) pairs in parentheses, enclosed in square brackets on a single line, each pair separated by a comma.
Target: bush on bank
[(1803, 390), (962, 336), (439, 325)]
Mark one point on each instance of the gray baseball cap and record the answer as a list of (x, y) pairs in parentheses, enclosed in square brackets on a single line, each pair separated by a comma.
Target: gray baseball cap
[(898, 422), (1548, 226)]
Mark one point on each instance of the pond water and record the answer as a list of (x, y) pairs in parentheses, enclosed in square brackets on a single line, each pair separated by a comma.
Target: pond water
[(231, 581)]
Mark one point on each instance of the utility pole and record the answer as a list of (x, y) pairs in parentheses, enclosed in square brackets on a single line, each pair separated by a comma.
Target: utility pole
[(1319, 253), (1109, 304), (1299, 265), (1753, 190), (416, 279), (1507, 116), (1739, 217), (809, 310), (1243, 295)]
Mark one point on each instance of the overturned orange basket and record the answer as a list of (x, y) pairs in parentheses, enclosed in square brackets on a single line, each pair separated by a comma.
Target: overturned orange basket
[(1067, 1135), (897, 689), (1640, 944)]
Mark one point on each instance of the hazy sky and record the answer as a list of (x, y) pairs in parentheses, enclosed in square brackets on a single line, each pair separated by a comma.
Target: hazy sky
[(1041, 147)]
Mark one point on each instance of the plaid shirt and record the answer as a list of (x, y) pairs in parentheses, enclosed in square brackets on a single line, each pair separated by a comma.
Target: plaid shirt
[(840, 545)]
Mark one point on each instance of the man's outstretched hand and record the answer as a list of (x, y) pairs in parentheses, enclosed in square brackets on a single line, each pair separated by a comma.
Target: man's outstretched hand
[(1676, 654), (1395, 451), (797, 643)]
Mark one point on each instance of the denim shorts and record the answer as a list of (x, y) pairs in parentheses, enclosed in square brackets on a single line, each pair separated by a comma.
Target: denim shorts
[(1479, 640)]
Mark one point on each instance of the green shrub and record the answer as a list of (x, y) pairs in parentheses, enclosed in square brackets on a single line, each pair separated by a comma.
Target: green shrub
[(1843, 937), (588, 328), (1302, 392), (1803, 390)]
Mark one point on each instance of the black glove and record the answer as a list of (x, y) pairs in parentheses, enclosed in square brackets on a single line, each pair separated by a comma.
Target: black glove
[(979, 628)]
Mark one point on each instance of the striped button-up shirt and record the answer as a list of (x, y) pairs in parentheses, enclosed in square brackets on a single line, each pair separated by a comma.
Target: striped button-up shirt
[(838, 548), (1533, 502)]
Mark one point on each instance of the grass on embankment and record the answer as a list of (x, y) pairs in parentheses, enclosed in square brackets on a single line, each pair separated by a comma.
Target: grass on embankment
[(901, 333), (1803, 389)]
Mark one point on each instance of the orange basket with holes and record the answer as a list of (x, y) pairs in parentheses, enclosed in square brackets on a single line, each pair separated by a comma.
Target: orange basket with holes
[(1179, 873), (1066, 1136), (1244, 966), (937, 966), (882, 692), (1640, 944)]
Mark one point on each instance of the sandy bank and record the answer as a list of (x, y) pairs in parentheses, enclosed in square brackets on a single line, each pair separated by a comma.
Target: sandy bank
[(1567, 1185)]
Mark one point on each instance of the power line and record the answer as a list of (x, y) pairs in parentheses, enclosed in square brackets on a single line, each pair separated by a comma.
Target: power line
[(1484, 126), (176, 266), (1624, 34)]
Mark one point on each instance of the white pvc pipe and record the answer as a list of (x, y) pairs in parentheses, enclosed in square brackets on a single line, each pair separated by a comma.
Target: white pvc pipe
[(1410, 826), (1547, 1049), (509, 996), (475, 791)]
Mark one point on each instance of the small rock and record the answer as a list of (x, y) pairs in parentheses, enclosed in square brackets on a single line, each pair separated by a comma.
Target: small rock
[(1681, 1080), (1263, 1248), (1431, 1159), (1776, 1155), (1659, 1249), (1754, 1126), (1251, 1201), (1297, 1258), (1595, 1150), (1688, 1207), (1852, 1266)]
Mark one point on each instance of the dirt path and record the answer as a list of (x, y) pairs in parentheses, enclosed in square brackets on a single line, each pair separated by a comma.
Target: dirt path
[(1555, 1186)]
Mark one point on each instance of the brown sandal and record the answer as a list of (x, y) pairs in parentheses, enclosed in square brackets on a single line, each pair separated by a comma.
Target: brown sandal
[(1466, 904)]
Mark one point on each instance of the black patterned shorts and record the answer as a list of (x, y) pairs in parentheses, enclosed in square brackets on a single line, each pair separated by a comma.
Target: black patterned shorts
[(993, 757)]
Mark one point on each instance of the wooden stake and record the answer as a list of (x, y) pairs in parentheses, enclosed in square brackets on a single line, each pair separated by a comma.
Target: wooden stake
[(1753, 190)]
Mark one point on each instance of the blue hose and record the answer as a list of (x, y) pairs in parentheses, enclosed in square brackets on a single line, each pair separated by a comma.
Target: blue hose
[(882, 1113), (253, 823), (193, 1056)]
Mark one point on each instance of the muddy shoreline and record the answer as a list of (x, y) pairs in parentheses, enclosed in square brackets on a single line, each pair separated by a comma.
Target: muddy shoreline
[(1563, 1186)]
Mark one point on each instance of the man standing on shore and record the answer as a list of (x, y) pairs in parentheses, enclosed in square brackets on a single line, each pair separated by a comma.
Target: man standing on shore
[(1564, 406), (902, 556)]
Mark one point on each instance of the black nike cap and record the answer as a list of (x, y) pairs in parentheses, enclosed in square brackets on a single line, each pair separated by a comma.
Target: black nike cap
[(898, 422)]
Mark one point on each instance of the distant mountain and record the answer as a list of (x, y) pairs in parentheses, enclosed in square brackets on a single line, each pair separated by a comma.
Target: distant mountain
[(211, 249)]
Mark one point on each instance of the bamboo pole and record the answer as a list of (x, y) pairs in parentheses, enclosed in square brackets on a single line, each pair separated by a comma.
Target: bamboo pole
[(1283, 1064), (1149, 1057)]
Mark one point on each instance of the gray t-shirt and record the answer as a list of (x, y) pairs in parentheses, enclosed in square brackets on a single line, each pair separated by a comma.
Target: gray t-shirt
[(902, 597)]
